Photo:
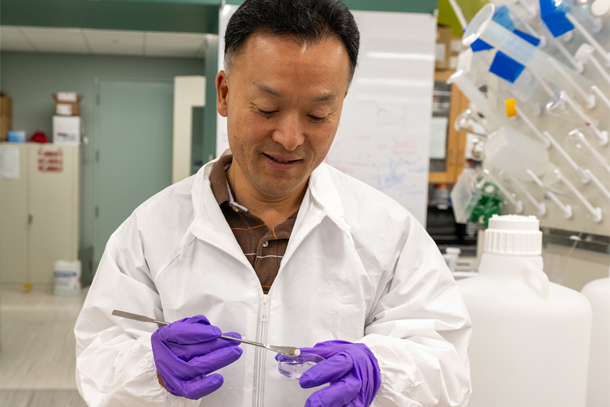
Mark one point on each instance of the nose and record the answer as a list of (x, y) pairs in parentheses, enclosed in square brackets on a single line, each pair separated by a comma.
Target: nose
[(289, 132)]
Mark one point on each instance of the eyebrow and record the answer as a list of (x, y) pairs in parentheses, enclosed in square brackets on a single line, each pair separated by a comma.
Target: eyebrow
[(326, 97)]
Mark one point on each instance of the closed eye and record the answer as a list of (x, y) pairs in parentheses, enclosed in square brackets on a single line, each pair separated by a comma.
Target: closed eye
[(316, 118), (267, 113)]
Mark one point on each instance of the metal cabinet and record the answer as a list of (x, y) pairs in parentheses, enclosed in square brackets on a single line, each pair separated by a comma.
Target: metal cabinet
[(38, 210)]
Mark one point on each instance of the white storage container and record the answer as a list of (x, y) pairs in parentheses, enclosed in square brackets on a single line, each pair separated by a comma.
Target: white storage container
[(598, 391), (530, 338), (67, 277), (66, 129)]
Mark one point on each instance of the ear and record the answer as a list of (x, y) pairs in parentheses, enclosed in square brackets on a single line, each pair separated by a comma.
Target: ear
[(222, 93)]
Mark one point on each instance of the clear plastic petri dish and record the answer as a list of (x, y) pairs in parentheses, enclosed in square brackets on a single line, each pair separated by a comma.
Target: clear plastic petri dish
[(294, 367)]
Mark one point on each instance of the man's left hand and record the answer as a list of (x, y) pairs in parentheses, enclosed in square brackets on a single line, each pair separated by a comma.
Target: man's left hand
[(350, 368)]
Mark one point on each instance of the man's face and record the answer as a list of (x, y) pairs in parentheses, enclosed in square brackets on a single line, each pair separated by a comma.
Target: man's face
[(283, 102)]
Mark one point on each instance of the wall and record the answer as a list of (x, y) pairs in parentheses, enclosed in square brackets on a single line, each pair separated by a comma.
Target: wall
[(31, 78)]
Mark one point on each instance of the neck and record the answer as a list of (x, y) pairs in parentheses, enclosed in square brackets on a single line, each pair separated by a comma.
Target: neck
[(272, 210)]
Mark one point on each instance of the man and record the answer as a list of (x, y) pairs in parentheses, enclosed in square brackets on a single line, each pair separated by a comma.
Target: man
[(269, 243)]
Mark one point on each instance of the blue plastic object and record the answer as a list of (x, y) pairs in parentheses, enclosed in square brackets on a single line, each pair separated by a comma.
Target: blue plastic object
[(480, 45), (502, 17), (506, 67), (15, 136), (553, 13), (529, 38)]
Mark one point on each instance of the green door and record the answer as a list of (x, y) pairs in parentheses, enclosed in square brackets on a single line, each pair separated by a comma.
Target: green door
[(134, 149)]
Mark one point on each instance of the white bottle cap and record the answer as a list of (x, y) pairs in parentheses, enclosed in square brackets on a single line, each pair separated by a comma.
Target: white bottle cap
[(513, 235)]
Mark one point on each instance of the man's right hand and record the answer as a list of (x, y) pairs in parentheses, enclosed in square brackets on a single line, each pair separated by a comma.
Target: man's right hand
[(187, 351)]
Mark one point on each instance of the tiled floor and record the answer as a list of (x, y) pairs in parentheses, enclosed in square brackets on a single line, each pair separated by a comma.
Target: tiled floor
[(37, 355)]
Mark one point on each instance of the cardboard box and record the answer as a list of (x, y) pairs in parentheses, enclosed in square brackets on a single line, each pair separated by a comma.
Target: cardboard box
[(443, 47), (6, 115), (66, 129), (67, 103), (456, 48)]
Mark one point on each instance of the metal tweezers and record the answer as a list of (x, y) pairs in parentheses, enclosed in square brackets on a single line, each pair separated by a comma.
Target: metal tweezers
[(289, 351)]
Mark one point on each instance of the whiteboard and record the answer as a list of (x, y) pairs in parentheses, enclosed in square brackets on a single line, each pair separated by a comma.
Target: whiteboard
[(384, 135)]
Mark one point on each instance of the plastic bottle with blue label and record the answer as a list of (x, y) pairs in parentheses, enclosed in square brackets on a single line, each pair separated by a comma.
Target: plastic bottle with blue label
[(67, 277)]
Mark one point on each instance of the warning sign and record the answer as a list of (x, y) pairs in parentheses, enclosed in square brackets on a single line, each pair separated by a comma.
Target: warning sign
[(50, 160)]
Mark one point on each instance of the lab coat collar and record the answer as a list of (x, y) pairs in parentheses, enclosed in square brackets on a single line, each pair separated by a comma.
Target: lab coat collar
[(321, 200), (209, 223), (324, 192)]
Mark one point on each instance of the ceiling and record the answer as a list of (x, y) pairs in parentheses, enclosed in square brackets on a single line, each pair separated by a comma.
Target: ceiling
[(152, 28), (107, 42)]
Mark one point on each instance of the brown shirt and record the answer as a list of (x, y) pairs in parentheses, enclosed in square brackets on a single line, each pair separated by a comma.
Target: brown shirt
[(264, 247)]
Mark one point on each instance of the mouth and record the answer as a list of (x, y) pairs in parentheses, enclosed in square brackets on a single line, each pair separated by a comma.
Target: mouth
[(280, 160)]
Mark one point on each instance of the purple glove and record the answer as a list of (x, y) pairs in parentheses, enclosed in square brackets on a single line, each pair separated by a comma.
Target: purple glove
[(350, 368), (187, 351)]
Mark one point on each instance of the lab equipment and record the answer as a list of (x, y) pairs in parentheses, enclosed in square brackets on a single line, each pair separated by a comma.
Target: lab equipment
[(571, 91), (598, 184), (585, 54), (289, 351), (488, 206), (506, 143), (530, 9), (187, 352), (590, 39), (576, 63), (584, 178), (581, 9), (466, 194), (477, 98), (471, 122), (482, 27), (566, 209), (598, 293), (598, 157), (294, 367), (517, 204), (601, 95), (532, 127), (601, 7), (594, 211), (530, 338), (543, 84), (560, 103), (522, 22), (541, 206), (352, 370)]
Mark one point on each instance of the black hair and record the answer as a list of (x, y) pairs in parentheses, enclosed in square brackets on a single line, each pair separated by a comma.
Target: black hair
[(307, 21)]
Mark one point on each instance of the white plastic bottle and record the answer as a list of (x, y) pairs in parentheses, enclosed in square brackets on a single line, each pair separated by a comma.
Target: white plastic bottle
[(530, 338), (598, 391), (67, 276)]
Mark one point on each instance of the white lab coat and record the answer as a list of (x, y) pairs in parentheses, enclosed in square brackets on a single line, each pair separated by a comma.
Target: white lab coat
[(358, 267)]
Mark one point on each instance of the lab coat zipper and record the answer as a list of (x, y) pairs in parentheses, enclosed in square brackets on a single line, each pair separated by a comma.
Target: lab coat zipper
[(259, 356)]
